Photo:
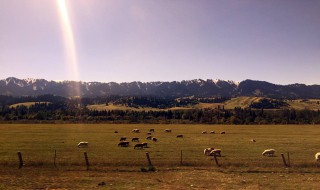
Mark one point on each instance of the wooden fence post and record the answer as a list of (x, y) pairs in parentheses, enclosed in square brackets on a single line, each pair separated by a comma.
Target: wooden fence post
[(54, 158), (289, 164), (148, 158), (216, 160), (86, 159), (284, 160), (20, 160)]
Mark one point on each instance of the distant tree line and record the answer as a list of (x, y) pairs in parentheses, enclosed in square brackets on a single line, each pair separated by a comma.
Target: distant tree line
[(76, 111)]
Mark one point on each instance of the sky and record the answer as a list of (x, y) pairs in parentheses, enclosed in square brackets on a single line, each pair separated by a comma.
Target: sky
[(161, 40)]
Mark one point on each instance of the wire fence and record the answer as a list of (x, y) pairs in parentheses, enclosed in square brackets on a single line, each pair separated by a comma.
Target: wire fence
[(56, 158)]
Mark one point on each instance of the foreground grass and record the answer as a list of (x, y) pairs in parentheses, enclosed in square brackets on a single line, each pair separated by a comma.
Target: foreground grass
[(242, 165), (164, 178)]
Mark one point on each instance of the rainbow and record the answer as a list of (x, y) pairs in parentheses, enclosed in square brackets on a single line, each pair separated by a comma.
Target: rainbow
[(69, 43)]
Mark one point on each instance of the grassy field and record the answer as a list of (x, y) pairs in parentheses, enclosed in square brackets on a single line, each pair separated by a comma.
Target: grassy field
[(242, 102), (101, 107), (242, 165), (27, 104), (312, 104)]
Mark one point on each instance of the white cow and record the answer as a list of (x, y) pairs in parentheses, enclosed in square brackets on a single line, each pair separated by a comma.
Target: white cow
[(135, 130), (268, 152), (207, 151), (83, 144)]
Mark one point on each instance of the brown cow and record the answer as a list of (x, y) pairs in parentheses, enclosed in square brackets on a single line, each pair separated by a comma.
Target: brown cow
[(145, 145), (179, 136), (123, 144), (135, 139), (139, 145)]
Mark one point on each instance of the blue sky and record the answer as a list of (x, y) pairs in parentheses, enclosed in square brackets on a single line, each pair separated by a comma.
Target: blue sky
[(164, 40)]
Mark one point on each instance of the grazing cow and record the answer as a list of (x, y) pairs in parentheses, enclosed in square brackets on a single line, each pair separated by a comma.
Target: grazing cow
[(145, 145), (179, 136), (212, 132), (136, 131), (135, 139), (148, 133), (123, 138), (167, 130), (204, 132), (151, 130), (139, 145), (83, 144), (149, 138), (268, 152), (252, 140), (124, 143), (115, 131), (216, 152), (223, 132), (154, 139)]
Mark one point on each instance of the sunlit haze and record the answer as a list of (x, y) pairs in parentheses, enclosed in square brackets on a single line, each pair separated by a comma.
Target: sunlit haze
[(148, 40)]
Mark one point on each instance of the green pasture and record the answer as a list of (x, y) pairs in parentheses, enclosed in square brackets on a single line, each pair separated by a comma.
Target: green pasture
[(38, 143)]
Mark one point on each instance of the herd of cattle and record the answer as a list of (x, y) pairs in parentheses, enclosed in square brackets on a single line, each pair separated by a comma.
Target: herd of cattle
[(207, 151), (124, 143)]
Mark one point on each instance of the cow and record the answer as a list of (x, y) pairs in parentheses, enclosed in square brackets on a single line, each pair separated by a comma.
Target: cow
[(135, 139), (136, 131), (145, 145), (123, 144), (268, 152), (83, 144), (139, 145)]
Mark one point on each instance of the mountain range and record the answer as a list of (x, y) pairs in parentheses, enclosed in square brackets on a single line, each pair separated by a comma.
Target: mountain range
[(198, 87)]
